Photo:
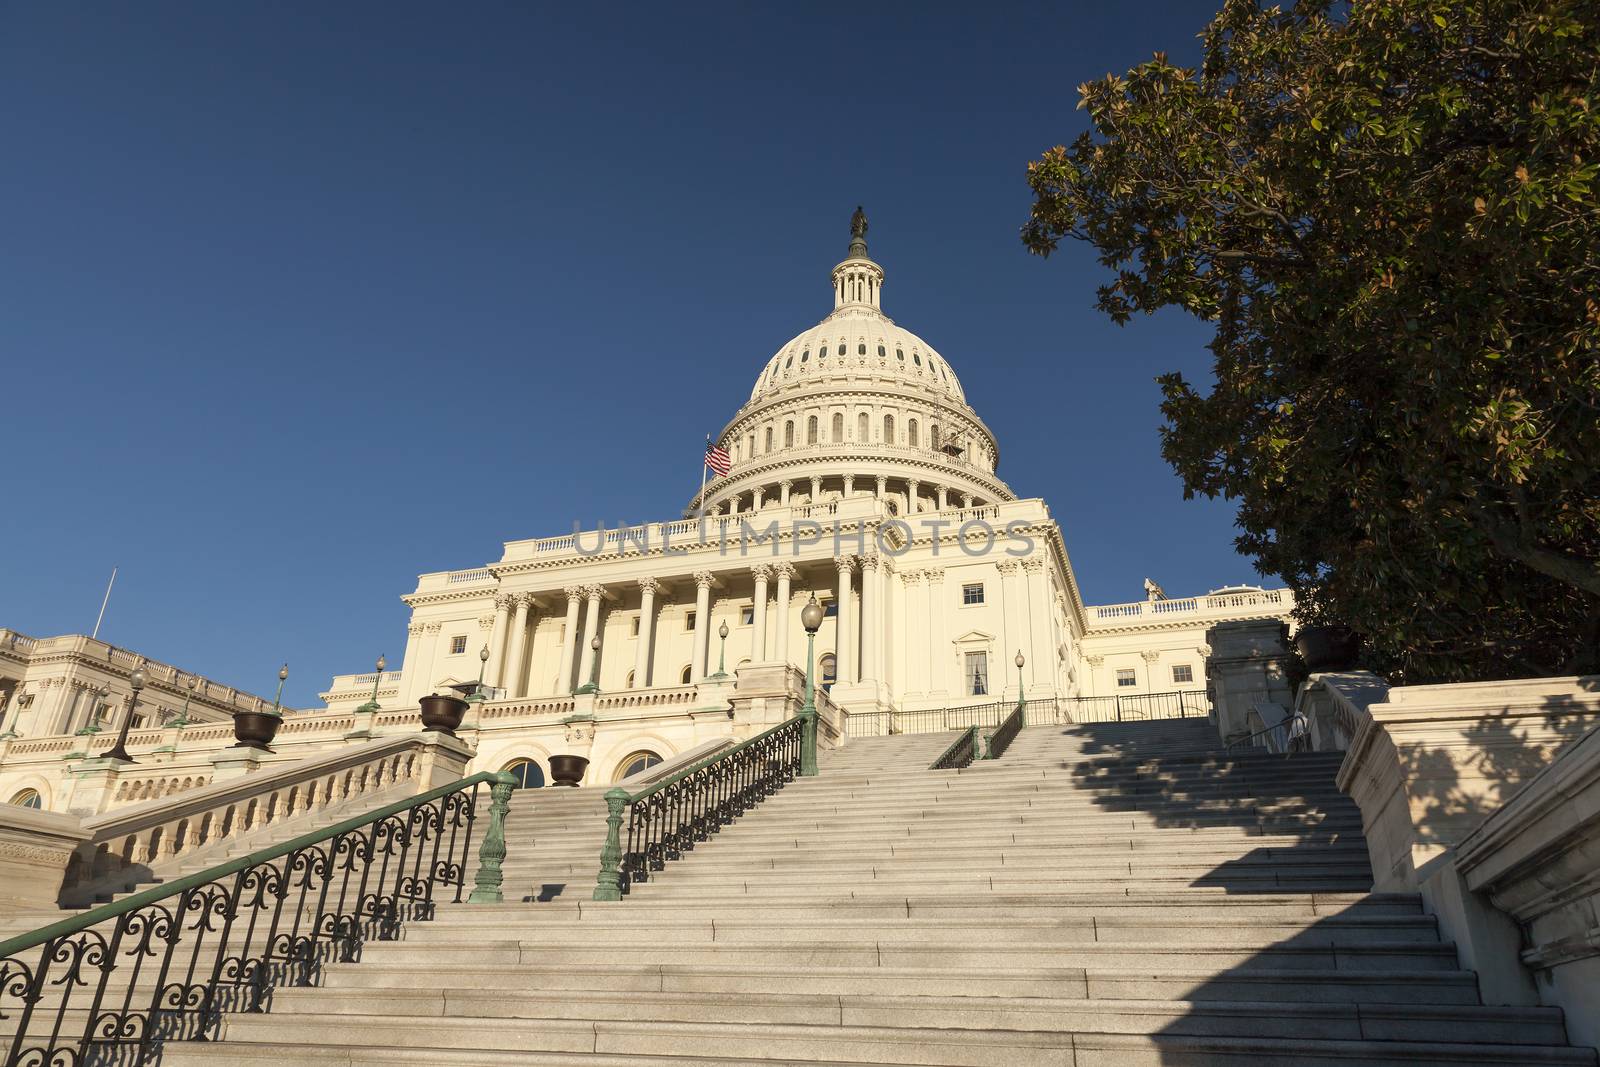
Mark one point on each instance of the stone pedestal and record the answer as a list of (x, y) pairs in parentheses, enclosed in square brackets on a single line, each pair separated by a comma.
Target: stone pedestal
[(35, 848), (444, 760), (1434, 761), (1246, 665), (94, 783), (236, 761)]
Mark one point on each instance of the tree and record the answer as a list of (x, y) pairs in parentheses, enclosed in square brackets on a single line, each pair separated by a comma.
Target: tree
[(1387, 208)]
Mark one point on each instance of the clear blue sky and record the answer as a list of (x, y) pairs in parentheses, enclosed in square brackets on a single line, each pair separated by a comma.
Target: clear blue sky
[(298, 300)]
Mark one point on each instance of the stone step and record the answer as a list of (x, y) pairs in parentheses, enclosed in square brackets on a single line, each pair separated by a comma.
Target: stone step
[(802, 953), (1304, 932), (1381, 986), (1335, 1021), (852, 1044)]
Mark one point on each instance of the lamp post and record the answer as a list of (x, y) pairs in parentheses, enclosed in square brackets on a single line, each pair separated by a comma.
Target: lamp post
[(283, 675), (811, 619), (183, 716), (722, 654), (1020, 662), (593, 684), (120, 749), (483, 663), (372, 703)]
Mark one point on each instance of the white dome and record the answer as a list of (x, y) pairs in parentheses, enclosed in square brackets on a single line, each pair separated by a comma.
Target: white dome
[(854, 339)]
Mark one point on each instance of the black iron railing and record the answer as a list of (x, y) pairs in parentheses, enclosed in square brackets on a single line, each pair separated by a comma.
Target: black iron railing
[(672, 816), (1005, 733), (962, 751), (1137, 707), (114, 983)]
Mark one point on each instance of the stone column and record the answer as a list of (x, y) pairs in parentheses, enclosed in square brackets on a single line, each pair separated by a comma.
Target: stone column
[(702, 623), (849, 484), (591, 627), (410, 665), (1011, 629), (755, 500), (912, 488), (915, 644), (1042, 657), (844, 654), (647, 626), (943, 501), (515, 672), (938, 668), (569, 641), (783, 492), (883, 486), (816, 489), (785, 573), (871, 616), (762, 572), (499, 639)]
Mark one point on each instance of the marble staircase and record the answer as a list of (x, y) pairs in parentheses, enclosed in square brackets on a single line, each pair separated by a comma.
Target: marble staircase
[(1116, 894)]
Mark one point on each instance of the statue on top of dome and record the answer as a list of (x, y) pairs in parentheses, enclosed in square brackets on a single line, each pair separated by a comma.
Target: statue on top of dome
[(858, 234)]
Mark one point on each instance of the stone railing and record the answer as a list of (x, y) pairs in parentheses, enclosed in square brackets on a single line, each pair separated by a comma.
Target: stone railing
[(677, 696), (1271, 602), (124, 844), (10, 639)]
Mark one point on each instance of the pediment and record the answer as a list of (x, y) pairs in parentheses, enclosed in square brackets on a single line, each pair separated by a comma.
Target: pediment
[(974, 637)]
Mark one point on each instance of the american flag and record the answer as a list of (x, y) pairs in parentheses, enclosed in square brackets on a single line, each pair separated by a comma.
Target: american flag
[(718, 460)]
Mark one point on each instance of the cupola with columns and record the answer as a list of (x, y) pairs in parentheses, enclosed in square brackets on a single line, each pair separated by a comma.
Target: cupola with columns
[(857, 406)]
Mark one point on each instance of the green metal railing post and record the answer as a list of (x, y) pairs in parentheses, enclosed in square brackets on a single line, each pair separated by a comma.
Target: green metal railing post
[(808, 711), (492, 853), (608, 883)]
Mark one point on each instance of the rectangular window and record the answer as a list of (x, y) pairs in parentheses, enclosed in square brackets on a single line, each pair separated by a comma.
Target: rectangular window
[(972, 593), (747, 615), (1125, 677), (830, 609), (1182, 673), (633, 628), (688, 620), (977, 673), (458, 644)]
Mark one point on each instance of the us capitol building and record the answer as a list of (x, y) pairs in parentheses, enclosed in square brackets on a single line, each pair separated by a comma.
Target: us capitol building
[(859, 476)]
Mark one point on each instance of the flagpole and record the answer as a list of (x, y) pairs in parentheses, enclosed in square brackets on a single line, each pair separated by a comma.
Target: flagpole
[(99, 618), (701, 501)]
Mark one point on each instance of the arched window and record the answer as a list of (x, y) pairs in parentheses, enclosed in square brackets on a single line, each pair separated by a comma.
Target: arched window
[(28, 798), (841, 348), (749, 445), (683, 675), (933, 436), (769, 438), (888, 429), (529, 774), (861, 349), (863, 427), (830, 670), (641, 760), (900, 354), (916, 357), (629, 683), (911, 432), (811, 430), (788, 434), (805, 355), (788, 363), (881, 353), (838, 427)]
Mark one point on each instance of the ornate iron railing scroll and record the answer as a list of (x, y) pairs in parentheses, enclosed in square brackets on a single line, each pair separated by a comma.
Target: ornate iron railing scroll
[(113, 983), (672, 816)]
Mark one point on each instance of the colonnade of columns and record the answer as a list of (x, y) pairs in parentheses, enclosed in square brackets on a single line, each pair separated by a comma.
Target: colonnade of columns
[(924, 660)]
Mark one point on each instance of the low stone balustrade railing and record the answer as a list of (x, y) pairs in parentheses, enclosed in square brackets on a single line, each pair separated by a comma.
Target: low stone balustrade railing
[(125, 843)]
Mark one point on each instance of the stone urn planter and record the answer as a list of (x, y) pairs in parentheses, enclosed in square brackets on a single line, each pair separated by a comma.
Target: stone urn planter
[(255, 729), (1327, 648), (567, 770), (442, 713)]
